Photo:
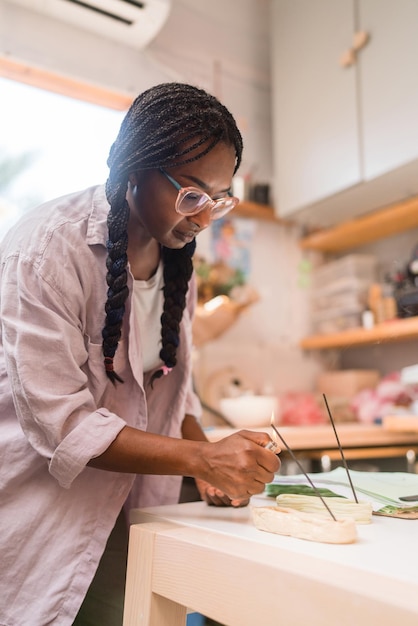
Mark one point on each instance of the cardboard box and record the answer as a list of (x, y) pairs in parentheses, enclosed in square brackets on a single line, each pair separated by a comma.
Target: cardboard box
[(347, 383)]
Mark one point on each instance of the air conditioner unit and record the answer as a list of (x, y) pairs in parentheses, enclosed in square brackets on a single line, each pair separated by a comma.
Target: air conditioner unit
[(131, 22)]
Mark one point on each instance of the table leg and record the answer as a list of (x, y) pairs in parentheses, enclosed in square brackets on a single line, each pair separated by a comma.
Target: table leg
[(143, 607)]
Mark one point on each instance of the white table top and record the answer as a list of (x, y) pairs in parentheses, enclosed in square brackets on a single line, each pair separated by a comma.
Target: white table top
[(382, 546)]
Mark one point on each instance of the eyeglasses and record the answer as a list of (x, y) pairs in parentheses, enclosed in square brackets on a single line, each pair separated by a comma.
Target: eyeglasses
[(191, 201)]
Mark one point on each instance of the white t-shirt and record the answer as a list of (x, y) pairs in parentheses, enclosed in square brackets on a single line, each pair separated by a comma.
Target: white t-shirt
[(148, 301)]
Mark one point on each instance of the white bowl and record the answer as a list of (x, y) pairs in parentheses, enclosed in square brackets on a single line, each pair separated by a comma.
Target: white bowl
[(249, 411)]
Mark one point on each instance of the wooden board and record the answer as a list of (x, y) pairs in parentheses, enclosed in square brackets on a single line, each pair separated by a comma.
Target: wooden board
[(322, 437), (401, 423), (373, 226)]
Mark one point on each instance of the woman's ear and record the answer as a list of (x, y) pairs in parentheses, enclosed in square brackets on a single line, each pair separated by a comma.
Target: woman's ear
[(133, 179)]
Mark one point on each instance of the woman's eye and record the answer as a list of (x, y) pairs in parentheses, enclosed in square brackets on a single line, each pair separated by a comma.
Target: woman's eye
[(193, 197)]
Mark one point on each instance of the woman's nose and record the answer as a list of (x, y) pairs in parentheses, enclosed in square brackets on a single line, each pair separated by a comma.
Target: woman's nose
[(202, 219)]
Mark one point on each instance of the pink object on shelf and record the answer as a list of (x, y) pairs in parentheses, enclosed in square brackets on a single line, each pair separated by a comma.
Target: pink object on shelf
[(390, 394), (300, 409)]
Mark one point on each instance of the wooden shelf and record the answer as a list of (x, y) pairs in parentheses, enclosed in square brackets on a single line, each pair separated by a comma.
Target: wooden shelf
[(256, 211), (353, 435), (382, 223), (395, 330)]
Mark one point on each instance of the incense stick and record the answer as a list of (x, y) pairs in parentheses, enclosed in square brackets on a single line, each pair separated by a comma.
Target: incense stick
[(341, 449), (303, 471)]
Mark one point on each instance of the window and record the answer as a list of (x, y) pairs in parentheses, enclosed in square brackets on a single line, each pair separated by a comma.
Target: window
[(50, 145)]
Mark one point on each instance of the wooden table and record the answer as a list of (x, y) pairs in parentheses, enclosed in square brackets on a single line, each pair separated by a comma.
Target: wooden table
[(360, 441), (214, 561)]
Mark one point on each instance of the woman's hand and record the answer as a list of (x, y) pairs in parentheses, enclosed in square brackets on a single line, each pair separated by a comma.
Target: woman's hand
[(213, 496), (236, 467), (237, 456)]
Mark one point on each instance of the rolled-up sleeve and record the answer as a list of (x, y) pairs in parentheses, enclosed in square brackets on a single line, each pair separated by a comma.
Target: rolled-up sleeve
[(89, 439)]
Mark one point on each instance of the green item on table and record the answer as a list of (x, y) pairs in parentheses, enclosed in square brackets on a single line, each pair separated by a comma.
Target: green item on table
[(275, 489), (395, 511)]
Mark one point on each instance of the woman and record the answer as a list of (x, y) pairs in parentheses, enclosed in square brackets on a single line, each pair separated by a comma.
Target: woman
[(97, 409)]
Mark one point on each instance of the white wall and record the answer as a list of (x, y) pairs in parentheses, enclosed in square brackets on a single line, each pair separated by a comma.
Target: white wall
[(223, 47), (261, 349)]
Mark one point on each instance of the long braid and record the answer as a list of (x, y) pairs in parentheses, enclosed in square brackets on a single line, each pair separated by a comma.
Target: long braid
[(116, 278), (167, 125), (178, 268)]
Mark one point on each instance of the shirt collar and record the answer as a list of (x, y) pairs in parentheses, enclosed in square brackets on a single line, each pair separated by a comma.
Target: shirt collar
[(97, 231)]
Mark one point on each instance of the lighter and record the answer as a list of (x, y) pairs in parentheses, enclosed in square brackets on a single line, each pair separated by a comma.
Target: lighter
[(272, 445)]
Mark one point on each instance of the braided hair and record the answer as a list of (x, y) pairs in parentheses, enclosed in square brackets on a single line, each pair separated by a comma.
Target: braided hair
[(167, 125)]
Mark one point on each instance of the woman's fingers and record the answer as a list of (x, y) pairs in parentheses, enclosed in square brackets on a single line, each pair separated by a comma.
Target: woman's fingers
[(213, 496), (240, 465)]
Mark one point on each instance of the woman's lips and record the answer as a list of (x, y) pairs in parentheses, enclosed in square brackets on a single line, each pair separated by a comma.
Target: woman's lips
[(185, 237)]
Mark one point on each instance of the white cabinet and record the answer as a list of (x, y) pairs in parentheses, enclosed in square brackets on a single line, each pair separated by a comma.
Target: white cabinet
[(314, 105), (339, 131), (388, 84)]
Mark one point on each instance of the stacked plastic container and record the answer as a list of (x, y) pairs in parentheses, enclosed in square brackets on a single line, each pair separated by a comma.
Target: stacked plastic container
[(339, 292)]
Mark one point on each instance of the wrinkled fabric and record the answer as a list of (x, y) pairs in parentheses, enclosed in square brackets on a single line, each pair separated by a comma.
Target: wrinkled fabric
[(58, 409)]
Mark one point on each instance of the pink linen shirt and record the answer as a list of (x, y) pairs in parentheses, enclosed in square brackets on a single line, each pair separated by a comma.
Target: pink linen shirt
[(58, 409)]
